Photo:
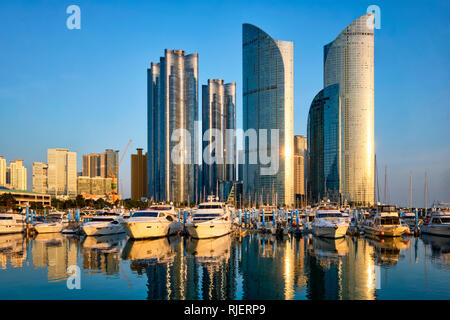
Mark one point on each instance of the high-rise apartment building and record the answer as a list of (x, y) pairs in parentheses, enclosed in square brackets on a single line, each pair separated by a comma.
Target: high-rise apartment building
[(348, 132), (18, 175), (40, 172), (101, 164), (218, 116), (2, 172), (300, 168), (62, 172), (139, 179), (268, 103), (172, 98)]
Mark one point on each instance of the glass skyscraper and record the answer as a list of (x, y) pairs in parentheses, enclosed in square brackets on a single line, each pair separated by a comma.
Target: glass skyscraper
[(172, 95), (218, 112), (268, 103), (348, 63), (324, 144)]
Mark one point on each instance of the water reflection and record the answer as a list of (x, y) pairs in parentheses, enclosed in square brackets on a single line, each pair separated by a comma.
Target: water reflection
[(257, 266), (102, 254)]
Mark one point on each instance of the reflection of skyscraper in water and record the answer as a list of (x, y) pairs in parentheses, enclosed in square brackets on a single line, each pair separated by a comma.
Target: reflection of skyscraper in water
[(12, 251), (54, 252), (101, 254)]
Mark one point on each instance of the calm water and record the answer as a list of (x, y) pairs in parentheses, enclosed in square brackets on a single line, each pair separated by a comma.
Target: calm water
[(252, 267)]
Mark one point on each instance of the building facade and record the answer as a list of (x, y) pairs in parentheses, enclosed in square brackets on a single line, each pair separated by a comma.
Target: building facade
[(300, 169), (268, 103), (2, 172), (18, 175), (218, 112), (40, 172), (62, 172), (172, 99), (324, 145), (101, 164), (139, 178), (349, 63)]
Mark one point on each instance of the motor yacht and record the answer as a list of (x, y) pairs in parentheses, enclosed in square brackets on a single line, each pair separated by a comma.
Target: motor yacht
[(439, 223), (11, 223), (103, 223), (212, 219), (52, 224), (385, 223), (329, 222), (154, 222)]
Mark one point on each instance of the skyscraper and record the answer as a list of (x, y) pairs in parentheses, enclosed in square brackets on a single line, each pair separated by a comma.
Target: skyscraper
[(218, 112), (172, 98), (139, 180), (268, 103), (40, 184), (324, 145), (18, 175), (349, 63), (62, 172), (300, 168), (2, 172), (101, 164)]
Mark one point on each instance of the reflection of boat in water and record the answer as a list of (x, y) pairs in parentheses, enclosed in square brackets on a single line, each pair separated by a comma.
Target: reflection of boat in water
[(108, 243), (440, 248), (151, 251), (50, 239), (332, 249), (12, 247), (209, 251), (387, 250)]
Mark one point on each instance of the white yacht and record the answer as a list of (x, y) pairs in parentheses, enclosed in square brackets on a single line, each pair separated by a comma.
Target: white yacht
[(212, 219), (157, 221), (103, 223), (439, 223), (329, 223), (53, 224), (409, 218), (11, 223)]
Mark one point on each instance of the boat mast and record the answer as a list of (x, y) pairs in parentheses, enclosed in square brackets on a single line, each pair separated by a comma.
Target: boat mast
[(426, 194), (410, 190)]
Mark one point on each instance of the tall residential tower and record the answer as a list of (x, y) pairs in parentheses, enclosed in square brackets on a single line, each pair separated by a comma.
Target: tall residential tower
[(268, 103), (172, 99)]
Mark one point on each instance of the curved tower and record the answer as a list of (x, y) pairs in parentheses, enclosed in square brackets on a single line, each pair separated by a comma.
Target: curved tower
[(349, 62), (268, 103)]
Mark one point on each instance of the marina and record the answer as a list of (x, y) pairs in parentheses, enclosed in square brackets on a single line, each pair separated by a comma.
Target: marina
[(246, 254)]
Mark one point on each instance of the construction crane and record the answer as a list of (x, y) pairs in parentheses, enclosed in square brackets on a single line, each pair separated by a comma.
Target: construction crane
[(114, 195)]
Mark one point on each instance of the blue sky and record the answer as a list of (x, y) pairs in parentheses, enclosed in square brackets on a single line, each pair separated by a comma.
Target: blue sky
[(86, 89)]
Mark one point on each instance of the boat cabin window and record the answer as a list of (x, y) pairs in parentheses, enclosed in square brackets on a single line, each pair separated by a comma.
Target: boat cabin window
[(445, 220), (206, 216), (388, 209), (161, 208), (210, 206), (151, 214), (95, 219), (388, 220), (329, 215), (6, 218)]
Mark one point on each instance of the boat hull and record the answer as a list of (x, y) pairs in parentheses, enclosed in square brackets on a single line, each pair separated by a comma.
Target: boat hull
[(332, 232), (145, 230), (208, 229), (49, 228), (101, 230), (391, 232), (437, 230), (8, 229)]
